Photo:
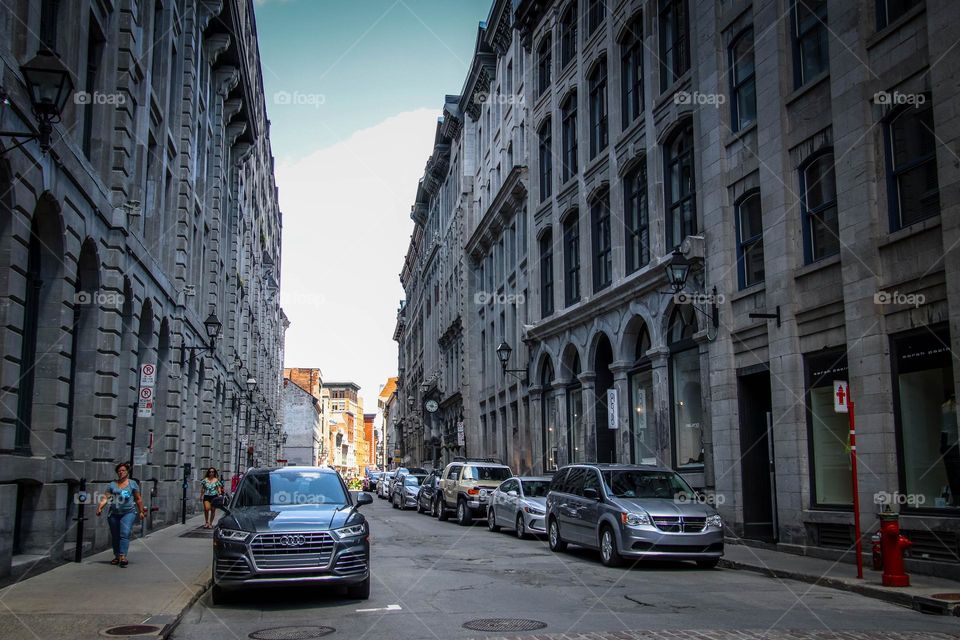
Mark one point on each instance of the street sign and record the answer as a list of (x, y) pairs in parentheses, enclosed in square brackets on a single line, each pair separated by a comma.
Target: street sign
[(148, 378), (148, 375), (460, 438), (841, 396), (613, 421)]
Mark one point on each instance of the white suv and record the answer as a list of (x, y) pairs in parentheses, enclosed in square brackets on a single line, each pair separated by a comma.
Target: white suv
[(466, 486)]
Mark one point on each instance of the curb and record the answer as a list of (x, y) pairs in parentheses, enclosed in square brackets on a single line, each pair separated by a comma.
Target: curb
[(923, 604), (169, 627)]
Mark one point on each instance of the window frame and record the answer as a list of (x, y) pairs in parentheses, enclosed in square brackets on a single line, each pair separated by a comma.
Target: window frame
[(672, 68), (601, 237), (631, 73), (546, 274), (630, 195), (599, 107), (883, 13), (545, 158), (796, 39), (744, 245), (568, 34), (596, 14), (670, 161), (571, 258), (894, 173), (568, 134), (736, 122), (808, 214), (544, 65)]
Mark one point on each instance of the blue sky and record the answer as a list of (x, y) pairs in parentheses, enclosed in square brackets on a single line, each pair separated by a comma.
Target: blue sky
[(354, 89), (359, 61)]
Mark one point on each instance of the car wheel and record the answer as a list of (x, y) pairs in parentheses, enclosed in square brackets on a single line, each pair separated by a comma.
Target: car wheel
[(442, 510), (219, 595), (359, 591), (492, 521), (420, 508), (709, 563), (609, 554), (393, 502), (464, 515), (554, 539), (521, 528)]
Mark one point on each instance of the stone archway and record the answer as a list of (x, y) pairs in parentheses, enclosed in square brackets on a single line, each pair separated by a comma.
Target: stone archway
[(87, 302)]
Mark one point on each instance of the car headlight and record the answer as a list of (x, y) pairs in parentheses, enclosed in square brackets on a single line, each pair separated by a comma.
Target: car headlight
[(534, 511), (715, 521), (351, 532), (635, 519), (233, 535)]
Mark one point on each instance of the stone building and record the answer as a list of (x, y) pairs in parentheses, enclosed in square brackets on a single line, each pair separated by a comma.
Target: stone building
[(345, 444), (799, 157), (154, 208), (302, 425)]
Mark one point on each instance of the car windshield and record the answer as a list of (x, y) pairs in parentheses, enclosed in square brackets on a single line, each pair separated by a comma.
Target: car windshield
[(639, 483), (284, 487), (498, 474), (536, 488), (412, 481)]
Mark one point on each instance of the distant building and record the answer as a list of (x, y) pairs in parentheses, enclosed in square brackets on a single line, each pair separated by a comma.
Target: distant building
[(346, 443), (302, 425)]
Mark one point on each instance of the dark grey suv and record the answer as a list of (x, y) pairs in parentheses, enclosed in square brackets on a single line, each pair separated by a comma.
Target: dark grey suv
[(632, 511), (293, 526)]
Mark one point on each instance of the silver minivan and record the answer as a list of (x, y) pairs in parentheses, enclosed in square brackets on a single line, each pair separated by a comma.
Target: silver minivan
[(632, 511)]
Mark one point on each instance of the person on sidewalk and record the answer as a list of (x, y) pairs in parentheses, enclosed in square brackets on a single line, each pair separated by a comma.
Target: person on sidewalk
[(211, 488), (123, 494)]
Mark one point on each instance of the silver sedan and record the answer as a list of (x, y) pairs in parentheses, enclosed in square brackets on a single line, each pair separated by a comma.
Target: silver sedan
[(519, 503)]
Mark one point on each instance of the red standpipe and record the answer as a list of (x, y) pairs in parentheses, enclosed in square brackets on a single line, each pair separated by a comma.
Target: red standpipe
[(893, 545), (855, 486)]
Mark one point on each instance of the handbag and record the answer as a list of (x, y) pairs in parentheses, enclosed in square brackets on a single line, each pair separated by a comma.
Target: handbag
[(221, 501)]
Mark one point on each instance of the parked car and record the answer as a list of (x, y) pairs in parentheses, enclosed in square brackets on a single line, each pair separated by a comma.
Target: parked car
[(293, 526), (397, 482), (383, 485), (370, 481), (466, 486), (632, 511), (405, 493), (520, 503), (426, 496)]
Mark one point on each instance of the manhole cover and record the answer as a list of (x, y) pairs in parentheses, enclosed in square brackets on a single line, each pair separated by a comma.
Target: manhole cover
[(292, 633), (132, 630), (953, 597), (504, 624)]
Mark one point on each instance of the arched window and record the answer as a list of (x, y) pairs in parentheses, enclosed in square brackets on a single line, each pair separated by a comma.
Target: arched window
[(637, 218), (545, 149), (680, 186), (602, 241), (685, 389), (631, 72), (568, 34), (749, 239), (544, 65), (568, 124), (546, 274), (596, 12), (743, 90), (571, 258), (821, 225), (598, 108), (674, 41), (912, 182)]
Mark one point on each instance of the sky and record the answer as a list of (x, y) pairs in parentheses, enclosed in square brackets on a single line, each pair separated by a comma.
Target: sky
[(354, 89)]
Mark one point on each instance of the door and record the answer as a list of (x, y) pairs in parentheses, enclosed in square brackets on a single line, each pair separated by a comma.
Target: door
[(570, 504), (588, 511), (756, 457), (508, 504)]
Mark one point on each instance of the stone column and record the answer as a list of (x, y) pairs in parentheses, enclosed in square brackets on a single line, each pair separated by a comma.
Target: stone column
[(588, 395), (8, 507), (619, 370), (534, 421)]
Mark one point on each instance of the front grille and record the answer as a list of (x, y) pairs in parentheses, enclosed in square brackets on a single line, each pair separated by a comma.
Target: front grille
[(232, 568), (677, 548), (351, 563), (286, 551), (680, 524)]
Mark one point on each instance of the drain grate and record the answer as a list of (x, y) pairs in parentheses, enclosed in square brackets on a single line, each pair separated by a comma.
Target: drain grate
[(504, 624), (199, 532), (128, 630), (291, 633)]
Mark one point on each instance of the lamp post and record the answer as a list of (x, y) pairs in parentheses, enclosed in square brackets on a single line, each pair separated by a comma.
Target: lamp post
[(251, 384), (503, 354), (50, 85), (212, 326), (678, 269)]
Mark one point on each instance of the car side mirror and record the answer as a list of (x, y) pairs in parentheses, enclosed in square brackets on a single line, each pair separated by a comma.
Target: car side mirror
[(364, 498), (591, 494)]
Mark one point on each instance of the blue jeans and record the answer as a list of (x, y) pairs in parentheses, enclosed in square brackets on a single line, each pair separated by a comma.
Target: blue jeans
[(120, 526)]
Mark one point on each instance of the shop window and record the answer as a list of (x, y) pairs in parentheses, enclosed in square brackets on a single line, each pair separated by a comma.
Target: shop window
[(643, 441), (685, 389), (829, 432)]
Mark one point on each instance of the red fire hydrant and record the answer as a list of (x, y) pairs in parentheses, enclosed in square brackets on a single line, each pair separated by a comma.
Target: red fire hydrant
[(892, 545), (876, 552)]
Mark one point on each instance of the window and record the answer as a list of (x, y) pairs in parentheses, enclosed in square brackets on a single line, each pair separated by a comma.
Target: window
[(637, 220), (810, 53), (889, 11), (828, 431), (602, 246), (912, 183), (674, 41), (91, 85), (576, 428), (568, 124), (571, 258), (749, 240), (546, 160), (508, 80), (641, 398), (685, 388), (680, 187), (743, 105), (598, 108), (568, 34), (631, 77), (926, 415), (546, 274), (544, 61), (596, 12), (821, 234)]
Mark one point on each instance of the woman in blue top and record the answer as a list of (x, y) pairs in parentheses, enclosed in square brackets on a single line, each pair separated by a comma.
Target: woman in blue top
[(210, 488), (123, 494)]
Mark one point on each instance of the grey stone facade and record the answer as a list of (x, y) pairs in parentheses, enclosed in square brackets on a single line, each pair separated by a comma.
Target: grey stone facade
[(155, 207), (803, 159)]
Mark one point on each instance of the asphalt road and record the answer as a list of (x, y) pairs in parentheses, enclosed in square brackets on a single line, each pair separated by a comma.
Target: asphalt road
[(431, 577)]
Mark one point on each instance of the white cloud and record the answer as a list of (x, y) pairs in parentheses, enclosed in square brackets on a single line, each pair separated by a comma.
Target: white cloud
[(346, 225)]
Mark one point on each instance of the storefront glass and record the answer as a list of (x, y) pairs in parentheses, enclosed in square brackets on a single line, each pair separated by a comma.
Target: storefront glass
[(578, 445), (927, 421), (829, 431), (641, 423), (687, 408)]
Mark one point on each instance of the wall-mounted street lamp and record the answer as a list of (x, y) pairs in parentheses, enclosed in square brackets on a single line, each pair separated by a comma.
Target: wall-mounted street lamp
[(678, 269), (50, 84), (503, 354), (411, 401), (212, 326)]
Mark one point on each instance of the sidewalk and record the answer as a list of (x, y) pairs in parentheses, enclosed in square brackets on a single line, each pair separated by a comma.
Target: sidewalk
[(167, 573), (841, 575)]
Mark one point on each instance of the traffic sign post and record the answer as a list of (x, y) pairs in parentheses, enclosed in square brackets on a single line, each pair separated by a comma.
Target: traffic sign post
[(843, 403)]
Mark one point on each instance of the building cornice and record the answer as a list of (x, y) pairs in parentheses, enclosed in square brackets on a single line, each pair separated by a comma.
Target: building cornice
[(528, 16), (483, 68), (511, 196)]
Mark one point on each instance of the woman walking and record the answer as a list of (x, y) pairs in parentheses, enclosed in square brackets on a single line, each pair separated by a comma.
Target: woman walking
[(123, 494), (210, 487)]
